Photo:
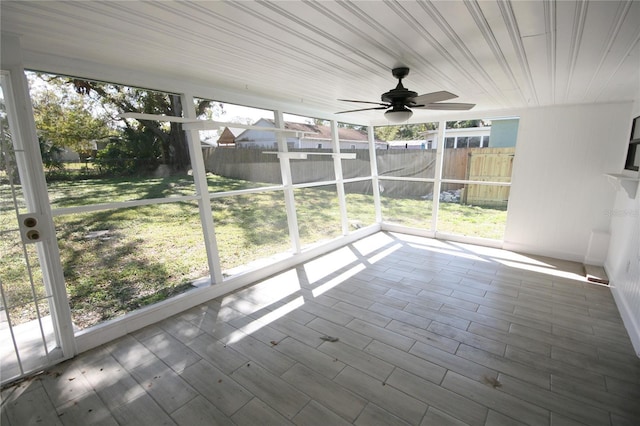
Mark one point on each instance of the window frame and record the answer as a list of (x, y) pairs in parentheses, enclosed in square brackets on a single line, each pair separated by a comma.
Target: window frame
[(631, 163)]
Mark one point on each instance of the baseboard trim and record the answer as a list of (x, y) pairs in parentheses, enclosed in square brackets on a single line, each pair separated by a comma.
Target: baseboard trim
[(629, 320)]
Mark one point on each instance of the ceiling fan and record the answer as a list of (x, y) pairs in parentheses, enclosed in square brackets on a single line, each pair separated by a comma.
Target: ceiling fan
[(398, 101)]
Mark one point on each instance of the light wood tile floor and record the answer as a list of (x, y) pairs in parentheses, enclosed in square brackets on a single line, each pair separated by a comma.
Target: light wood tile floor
[(390, 330)]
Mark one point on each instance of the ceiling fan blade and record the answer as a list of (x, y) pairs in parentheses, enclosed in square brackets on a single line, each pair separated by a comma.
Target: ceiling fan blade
[(446, 106), (363, 109), (429, 98), (364, 102)]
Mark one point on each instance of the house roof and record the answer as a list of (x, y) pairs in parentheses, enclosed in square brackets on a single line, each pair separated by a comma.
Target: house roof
[(302, 57), (227, 137), (313, 131)]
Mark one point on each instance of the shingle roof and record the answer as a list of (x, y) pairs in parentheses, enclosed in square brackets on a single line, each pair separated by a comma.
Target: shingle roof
[(322, 132)]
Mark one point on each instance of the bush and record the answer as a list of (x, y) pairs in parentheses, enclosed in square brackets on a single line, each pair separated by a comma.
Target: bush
[(114, 160), (137, 153)]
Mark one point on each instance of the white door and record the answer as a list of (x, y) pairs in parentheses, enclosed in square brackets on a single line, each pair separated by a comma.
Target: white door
[(35, 327)]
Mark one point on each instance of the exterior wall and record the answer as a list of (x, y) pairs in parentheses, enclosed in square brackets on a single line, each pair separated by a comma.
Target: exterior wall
[(504, 133), (429, 141)]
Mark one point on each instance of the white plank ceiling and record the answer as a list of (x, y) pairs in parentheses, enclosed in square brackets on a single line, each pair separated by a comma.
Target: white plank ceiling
[(501, 55)]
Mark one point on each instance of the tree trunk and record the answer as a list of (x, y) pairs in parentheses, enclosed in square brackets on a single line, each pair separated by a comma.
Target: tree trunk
[(177, 139)]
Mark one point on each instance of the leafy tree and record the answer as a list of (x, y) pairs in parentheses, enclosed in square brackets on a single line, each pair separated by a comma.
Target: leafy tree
[(115, 99), (7, 156), (64, 122), (136, 152), (463, 124), (403, 131), (386, 133), (170, 138), (50, 155), (357, 127)]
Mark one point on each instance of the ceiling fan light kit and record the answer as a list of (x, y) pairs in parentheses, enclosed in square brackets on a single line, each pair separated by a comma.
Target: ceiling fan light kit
[(399, 101), (398, 115)]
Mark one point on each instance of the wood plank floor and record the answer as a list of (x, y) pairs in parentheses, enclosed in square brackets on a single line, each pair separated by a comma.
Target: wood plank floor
[(390, 330)]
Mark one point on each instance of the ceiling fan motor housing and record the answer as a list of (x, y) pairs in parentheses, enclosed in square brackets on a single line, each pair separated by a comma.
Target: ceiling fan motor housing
[(400, 96)]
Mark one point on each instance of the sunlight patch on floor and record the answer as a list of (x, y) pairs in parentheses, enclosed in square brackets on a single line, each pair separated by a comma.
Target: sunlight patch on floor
[(264, 320), (337, 280), (323, 266)]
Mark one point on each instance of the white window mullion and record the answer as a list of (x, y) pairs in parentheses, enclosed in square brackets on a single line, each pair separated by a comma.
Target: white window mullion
[(440, 147), (202, 190), (374, 174), (287, 183), (337, 166)]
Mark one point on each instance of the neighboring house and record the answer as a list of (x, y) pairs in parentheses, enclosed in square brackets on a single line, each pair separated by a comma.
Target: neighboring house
[(68, 155), (501, 134), (227, 138), (471, 137), (315, 137)]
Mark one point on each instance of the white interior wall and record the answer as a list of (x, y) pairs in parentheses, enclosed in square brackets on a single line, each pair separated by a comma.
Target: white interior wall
[(623, 259), (559, 193)]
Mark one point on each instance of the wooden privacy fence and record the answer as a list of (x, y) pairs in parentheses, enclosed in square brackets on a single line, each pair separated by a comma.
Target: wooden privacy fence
[(488, 165), (479, 164)]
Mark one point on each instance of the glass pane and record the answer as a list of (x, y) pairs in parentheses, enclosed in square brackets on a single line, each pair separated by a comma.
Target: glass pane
[(318, 214), (317, 138), (236, 155), (315, 168), (354, 139), (408, 150), (16, 277), (407, 203), (469, 160), (360, 207), (407, 163), (81, 136), (235, 137), (460, 144), (73, 193), (116, 261), (250, 227), (270, 168), (474, 210), (449, 142), (358, 167), (475, 142)]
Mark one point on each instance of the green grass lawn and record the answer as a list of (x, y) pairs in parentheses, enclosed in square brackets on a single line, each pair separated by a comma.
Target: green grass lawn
[(117, 260)]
